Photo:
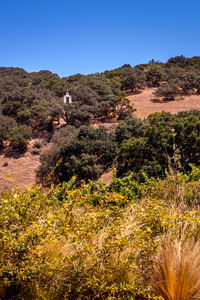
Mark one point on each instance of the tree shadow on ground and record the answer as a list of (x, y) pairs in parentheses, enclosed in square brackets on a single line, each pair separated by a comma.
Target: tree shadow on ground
[(14, 154)]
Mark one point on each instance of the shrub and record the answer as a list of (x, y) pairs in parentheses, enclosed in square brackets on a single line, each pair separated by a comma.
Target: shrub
[(20, 136), (122, 109), (98, 241)]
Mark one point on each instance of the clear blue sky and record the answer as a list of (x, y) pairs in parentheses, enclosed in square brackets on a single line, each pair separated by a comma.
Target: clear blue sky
[(87, 36)]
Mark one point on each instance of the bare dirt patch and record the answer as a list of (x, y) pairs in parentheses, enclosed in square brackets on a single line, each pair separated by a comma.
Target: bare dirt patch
[(107, 177), (145, 106)]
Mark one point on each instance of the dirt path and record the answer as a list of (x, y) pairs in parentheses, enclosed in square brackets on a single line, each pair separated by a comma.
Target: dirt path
[(144, 106)]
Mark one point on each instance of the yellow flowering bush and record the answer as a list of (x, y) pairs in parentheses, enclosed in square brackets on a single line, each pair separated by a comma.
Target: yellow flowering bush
[(92, 242)]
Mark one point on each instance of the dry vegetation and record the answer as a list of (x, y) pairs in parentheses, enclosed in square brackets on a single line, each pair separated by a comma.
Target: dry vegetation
[(94, 243), (176, 270)]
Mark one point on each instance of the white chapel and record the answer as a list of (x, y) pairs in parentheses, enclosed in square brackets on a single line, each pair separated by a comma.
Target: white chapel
[(67, 98)]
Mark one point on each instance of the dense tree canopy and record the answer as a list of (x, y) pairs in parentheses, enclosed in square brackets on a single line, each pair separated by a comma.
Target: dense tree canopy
[(162, 142), (165, 139), (85, 152)]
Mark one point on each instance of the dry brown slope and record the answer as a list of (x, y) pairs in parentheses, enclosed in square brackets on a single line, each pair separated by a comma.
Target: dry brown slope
[(20, 167), (144, 106)]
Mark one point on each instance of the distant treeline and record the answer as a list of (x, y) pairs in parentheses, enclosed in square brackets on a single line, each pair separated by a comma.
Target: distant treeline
[(34, 99)]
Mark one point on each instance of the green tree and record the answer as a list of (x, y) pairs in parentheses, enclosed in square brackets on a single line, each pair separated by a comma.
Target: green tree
[(6, 125), (155, 73), (85, 153), (130, 82), (131, 156), (167, 91), (77, 115), (177, 60), (128, 128)]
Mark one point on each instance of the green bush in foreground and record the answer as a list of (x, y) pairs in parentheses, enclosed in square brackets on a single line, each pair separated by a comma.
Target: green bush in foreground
[(95, 241)]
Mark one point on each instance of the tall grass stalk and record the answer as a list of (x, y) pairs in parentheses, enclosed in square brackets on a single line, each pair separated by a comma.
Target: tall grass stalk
[(176, 274)]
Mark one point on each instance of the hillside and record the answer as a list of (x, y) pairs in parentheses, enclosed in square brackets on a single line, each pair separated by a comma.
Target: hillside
[(31, 105), (145, 105), (22, 167)]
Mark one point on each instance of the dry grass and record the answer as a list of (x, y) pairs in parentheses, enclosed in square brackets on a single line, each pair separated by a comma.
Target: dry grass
[(145, 106), (21, 167), (176, 275)]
